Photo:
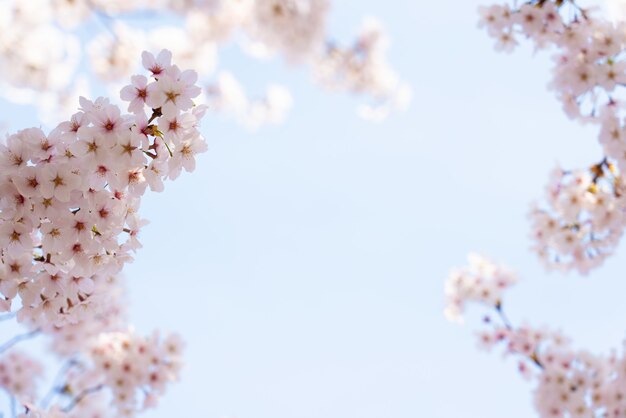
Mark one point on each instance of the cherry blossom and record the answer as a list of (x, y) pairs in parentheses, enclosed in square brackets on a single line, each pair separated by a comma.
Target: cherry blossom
[(364, 67), (295, 27), (481, 281), (19, 375), (568, 382), (69, 222), (581, 220), (228, 94), (46, 40), (584, 220)]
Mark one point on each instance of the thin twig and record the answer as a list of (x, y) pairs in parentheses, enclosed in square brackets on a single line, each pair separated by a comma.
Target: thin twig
[(103, 19), (533, 357), (80, 397), (7, 316), (502, 316), (56, 388), (13, 407), (4, 347)]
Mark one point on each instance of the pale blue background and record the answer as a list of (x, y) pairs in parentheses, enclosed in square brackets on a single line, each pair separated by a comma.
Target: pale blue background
[(304, 264)]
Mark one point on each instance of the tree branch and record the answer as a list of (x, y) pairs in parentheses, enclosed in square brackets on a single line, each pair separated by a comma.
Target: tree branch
[(4, 347), (82, 395)]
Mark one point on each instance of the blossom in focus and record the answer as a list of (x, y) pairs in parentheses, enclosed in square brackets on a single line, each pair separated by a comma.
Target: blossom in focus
[(69, 222)]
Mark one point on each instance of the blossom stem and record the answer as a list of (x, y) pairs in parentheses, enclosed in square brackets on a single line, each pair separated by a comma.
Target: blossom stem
[(503, 316), (153, 156), (155, 114), (168, 147), (533, 357)]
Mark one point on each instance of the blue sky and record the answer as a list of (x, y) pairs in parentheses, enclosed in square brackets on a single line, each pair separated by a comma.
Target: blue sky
[(304, 264)]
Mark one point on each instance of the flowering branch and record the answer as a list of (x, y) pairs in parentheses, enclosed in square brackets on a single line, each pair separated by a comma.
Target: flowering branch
[(585, 214), (55, 33), (68, 223), (503, 316)]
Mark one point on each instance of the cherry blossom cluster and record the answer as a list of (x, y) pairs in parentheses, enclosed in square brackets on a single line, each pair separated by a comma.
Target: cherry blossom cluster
[(584, 215), (363, 67), (123, 374), (568, 382), (588, 77), (131, 364), (75, 338), (296, 28), (228, 95), (69, 222), (530, 347), (136, 369), (481, 281), (589, 70), (19, 375), (70, 201), (44, 41), (584, 219)]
